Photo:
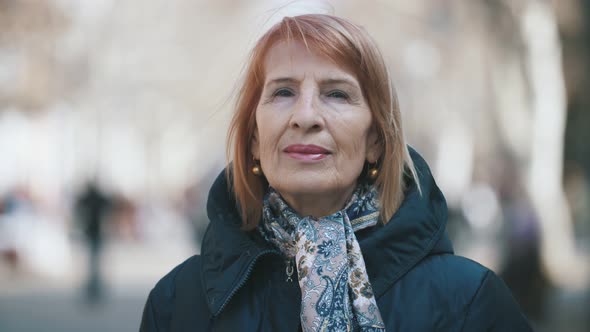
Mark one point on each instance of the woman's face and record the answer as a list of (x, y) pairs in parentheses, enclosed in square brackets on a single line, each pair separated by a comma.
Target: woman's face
[(314, 128)]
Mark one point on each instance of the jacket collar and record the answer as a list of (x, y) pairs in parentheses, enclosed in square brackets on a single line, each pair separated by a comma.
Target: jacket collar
[(416, 230)]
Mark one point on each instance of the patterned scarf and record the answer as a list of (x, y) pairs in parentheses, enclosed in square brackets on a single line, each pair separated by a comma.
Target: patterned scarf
[(336, 294)]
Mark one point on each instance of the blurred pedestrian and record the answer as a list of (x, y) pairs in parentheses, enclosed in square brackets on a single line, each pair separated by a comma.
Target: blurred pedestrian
[(91, 210)]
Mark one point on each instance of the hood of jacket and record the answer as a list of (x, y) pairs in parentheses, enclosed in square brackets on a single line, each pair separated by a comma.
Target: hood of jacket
[(415, 231)]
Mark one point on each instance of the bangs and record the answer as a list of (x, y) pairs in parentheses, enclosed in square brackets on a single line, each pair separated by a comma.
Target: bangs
[(321, 34)]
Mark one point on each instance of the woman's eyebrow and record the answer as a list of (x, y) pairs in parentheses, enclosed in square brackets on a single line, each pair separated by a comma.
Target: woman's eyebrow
[(327, 81), (281, 80), (333, 81)]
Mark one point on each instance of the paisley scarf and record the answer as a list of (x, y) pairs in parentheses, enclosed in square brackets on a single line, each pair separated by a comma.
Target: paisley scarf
[(336, 294)]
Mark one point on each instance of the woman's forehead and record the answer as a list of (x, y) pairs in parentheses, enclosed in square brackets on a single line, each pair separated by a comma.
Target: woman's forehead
[(295, 60)]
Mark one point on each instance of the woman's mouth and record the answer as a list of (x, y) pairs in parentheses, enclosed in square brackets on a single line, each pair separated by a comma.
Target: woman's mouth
[(306, 152)]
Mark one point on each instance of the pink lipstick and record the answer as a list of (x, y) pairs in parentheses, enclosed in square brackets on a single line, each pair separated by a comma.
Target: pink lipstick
[(306, 152)]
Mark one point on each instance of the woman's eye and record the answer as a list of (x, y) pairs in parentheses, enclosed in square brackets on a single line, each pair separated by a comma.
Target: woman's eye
[(283, 93), (337, 94)]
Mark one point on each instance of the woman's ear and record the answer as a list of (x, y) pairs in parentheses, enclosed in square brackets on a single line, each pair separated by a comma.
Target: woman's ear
[(374, 147)]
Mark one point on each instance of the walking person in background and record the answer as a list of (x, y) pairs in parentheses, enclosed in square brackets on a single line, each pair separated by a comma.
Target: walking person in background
[(325, 220), (91, 209)]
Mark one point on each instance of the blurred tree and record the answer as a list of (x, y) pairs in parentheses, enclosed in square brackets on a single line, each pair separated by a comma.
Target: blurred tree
[(574, 29), (528, 79)]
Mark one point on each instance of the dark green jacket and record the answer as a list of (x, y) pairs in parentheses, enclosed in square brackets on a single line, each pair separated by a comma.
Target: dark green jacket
[(238, 283)]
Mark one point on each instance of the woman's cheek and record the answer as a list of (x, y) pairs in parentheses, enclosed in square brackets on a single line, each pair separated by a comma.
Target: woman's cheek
[(267, 149)]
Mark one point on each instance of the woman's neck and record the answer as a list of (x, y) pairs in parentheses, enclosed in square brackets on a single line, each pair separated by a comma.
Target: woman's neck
[(317, 204)]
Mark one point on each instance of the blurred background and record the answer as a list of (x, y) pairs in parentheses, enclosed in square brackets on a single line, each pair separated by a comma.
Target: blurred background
[(113, 117)]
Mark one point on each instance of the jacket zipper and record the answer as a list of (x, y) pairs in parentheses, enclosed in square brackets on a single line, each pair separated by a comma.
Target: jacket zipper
[(244, 279), (289, 270)]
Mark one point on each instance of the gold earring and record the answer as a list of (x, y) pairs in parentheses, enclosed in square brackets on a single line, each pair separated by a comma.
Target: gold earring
[(373, 172), (256, 169)]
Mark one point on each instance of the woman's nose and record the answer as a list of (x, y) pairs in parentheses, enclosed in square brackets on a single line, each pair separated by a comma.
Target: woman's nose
[(306, 114)]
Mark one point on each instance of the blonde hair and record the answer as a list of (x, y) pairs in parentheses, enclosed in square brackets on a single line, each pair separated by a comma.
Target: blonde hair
[(350, 46)]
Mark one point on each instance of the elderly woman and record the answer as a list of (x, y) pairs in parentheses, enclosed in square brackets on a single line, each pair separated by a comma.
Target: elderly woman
[(325, 220)]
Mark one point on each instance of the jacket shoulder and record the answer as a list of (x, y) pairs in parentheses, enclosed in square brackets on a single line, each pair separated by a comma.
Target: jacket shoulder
[(486, 302), (444, 292), (455, 269), (447, 274), (168, 304), (492, 307)]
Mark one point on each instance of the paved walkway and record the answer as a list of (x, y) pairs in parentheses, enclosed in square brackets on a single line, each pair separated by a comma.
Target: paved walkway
[(30, 303), (66, 310)]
